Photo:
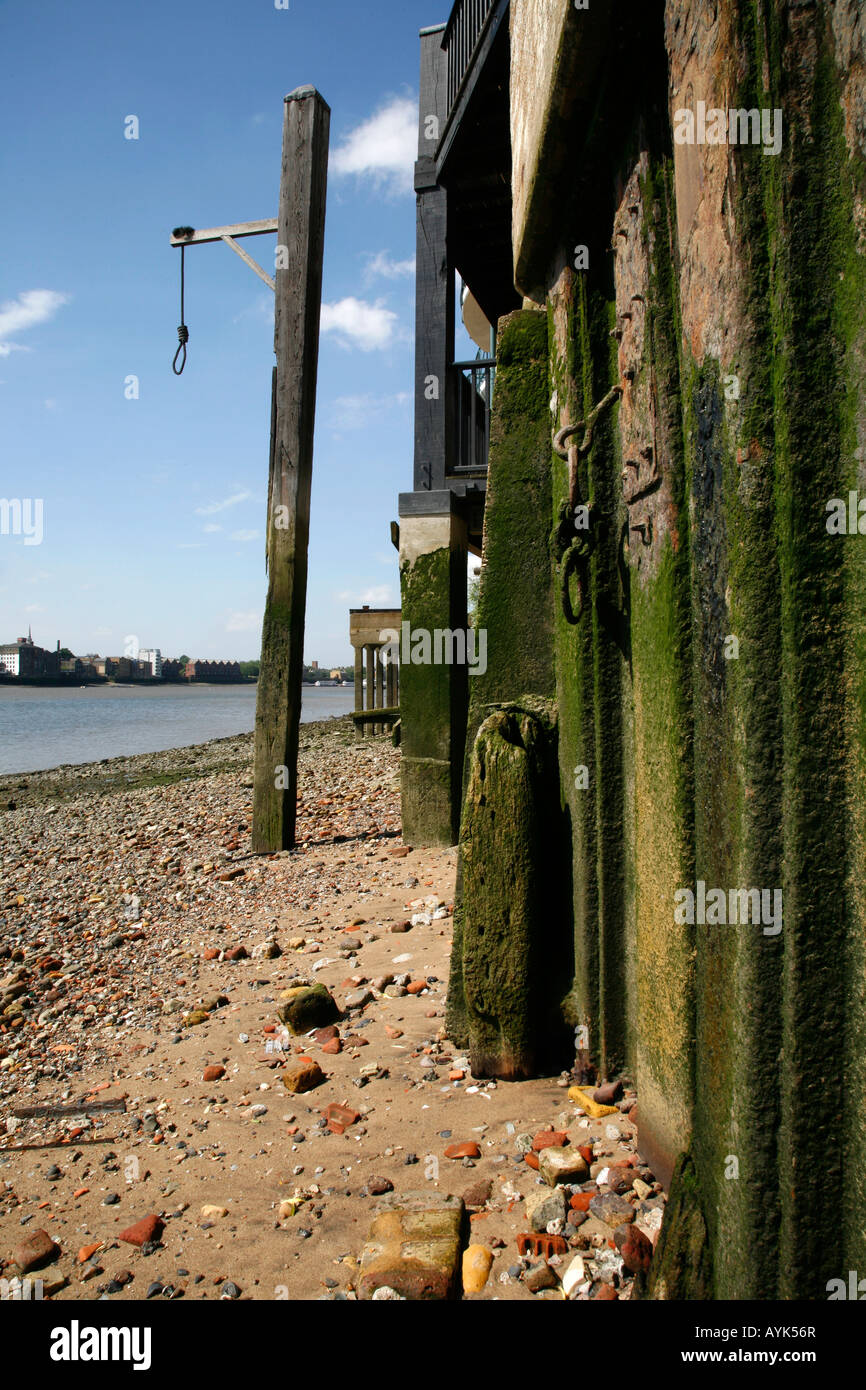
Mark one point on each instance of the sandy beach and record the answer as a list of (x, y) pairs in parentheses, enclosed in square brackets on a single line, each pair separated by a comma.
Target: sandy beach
[(142, 942)]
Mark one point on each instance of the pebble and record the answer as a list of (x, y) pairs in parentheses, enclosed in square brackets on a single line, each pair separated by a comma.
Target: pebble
[(302, 1076), (37, 1250), (477, 1262)]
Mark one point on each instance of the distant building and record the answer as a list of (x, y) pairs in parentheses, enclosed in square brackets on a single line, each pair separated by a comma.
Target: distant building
[(152, 657), (24, 658), (213, 671), (171, 671)]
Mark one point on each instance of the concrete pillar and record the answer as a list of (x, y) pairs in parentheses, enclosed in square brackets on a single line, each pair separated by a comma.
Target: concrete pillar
[(433, 694)]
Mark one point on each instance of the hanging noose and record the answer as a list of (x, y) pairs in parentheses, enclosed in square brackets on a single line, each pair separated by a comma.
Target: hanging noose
[(183, 331)]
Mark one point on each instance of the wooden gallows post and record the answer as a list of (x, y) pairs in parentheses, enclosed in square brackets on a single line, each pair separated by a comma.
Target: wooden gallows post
[(300, 246)]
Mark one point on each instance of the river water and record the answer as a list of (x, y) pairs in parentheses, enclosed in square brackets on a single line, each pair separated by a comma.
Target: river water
[(44, 726)]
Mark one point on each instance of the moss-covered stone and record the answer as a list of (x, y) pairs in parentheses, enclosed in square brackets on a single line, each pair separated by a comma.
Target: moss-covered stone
[(515, 956)]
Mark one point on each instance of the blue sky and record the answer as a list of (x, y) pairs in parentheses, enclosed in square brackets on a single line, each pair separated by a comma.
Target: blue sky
[(154, 508)]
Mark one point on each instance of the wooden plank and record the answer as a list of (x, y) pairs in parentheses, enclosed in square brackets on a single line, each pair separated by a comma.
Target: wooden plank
[(60, 1112), (198, 237), (434, 284), (301, 230)]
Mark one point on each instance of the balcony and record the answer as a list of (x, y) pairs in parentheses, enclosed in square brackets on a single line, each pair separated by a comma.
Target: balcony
[(473, 388), (462, 36)]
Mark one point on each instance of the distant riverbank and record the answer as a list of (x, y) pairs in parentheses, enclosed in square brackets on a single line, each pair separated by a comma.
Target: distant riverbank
[(47, 727)]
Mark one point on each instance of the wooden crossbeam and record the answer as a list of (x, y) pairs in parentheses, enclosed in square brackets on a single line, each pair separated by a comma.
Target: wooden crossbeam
[(201, 235)]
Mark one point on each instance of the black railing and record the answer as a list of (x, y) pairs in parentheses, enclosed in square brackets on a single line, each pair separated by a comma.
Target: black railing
[(474, 394), (461, 39)]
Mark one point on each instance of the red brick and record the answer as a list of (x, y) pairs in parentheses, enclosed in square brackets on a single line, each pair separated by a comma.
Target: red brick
[(549, 1139), (340, 1117), (467, 1150), (148, 1228), (213, 1073)]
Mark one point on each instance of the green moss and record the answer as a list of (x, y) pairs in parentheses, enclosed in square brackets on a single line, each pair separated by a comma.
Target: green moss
[(682, 1266)]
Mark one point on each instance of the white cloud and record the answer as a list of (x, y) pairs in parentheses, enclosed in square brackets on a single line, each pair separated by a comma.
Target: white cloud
[(244, 535), (383, 148), (243, 622), (383, 265), (213, 507), (34, 608), (357, 323), (32, 307), (211, 527)]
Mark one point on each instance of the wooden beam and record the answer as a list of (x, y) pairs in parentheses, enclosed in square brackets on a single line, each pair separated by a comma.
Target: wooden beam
[(301, 230), (199, 237), (253, 265)]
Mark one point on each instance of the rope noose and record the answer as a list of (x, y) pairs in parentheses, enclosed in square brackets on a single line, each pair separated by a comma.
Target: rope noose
[(183, 331)]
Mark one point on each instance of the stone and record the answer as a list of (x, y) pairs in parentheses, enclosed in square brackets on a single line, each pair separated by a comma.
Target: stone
[(642, 1188), (574, 1276), (413, 1247), (378, 1186), (213, 1073), (540, 1277), (209, 1212), (604, 1293), (302, 1075), (34, 1252), (326, 1035), (562, 1165), (194, 1018), (306, 1007), (333, 1047), (359, 998), (613, 1210), (544, 1206), (581, 1200), (148, 1229), (237, 953), (636, 1249), (478, 1195), (467, 1150), (477, 1261), (608, 1094), (416, 987)]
